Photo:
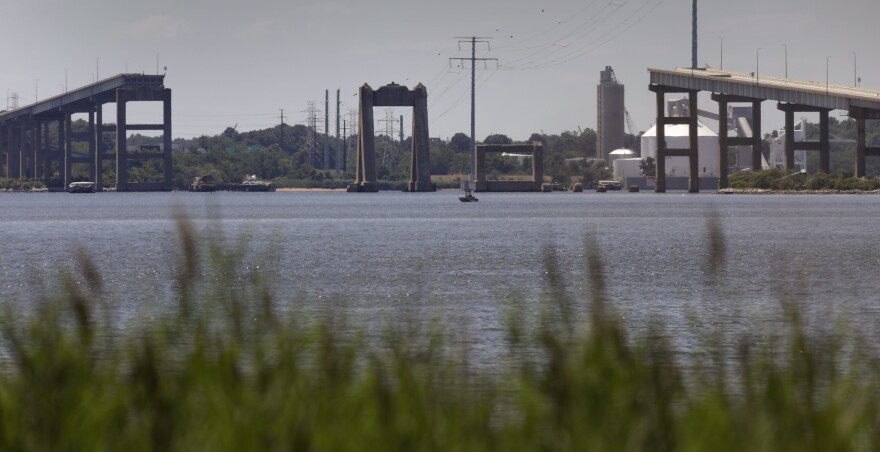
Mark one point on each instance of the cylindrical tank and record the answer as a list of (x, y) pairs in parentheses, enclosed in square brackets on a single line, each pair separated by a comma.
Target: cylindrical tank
[(610, 116), (624, 168)]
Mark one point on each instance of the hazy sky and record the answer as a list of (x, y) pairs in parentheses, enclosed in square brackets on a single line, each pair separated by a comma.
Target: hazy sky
[(241, 62)]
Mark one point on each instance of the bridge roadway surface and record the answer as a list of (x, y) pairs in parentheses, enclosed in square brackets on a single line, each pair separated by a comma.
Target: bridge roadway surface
[(29, 150), (738, 87)]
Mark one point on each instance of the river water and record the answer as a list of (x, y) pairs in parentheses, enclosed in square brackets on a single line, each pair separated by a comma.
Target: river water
[(417, 257)]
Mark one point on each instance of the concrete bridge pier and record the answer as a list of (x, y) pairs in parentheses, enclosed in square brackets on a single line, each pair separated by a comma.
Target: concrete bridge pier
[(13, 153), (420, 170), (861, 115), (725, 141), (68, 148), (365, 179), (663, 151), (3, 151), (393, 95), (121, 142), (98, 139), (824, 143), (37, 137)]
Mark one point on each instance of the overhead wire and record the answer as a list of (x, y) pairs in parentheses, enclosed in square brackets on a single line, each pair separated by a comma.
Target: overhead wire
[(550, 59), (629, 22)]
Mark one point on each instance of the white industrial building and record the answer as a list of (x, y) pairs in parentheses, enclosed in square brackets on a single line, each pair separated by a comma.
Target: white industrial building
[(677, 137)]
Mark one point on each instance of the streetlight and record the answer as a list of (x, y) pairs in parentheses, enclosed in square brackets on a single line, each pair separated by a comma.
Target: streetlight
[(721, 38), (157, 62), (786, 60), (826, 73), (855, 69), (757, 65), (36, 90)]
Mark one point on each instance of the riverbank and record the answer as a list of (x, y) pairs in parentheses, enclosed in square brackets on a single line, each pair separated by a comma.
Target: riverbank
[(764, 191)]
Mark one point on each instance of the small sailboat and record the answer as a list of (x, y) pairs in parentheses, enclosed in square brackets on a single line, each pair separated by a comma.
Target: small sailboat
[(468, 194), (468, 197)]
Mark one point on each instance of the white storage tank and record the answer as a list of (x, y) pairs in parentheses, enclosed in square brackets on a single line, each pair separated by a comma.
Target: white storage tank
[(628, 167), (677, 137), (621, 154)]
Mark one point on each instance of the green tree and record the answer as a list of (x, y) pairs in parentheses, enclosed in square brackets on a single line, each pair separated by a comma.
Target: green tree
[(460, 143)]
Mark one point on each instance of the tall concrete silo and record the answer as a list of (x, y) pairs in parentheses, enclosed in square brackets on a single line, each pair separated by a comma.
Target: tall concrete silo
[(610, 114)]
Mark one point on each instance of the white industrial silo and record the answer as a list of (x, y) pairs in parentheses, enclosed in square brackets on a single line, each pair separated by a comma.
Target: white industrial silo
[(610, 115)]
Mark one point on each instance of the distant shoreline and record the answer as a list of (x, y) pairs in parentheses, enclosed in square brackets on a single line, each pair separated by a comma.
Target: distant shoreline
[(762, 191)]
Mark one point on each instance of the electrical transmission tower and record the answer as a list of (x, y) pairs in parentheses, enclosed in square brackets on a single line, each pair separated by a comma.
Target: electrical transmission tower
[(347, 125), (315, 157), (389, 131), (473, 40), (12, 101)]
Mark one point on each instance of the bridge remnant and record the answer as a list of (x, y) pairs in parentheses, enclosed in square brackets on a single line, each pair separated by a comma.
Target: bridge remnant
[(792, 95), (31, 152), (537, 152), (393, 95)]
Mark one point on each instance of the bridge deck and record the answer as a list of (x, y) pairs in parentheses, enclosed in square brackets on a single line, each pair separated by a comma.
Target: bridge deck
[(814, 94), (105, 87)]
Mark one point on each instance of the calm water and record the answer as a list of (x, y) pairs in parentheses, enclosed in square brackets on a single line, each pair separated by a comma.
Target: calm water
[(397, 256)]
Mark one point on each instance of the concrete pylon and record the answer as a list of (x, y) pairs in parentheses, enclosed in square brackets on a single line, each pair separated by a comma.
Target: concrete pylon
[(420, 172), (393, 95), (365, 180)]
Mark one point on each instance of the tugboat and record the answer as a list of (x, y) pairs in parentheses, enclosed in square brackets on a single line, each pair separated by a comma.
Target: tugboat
[(81, 187), (468, 196)]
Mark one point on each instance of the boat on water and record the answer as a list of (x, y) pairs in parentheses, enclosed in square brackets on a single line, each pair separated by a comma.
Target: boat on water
[(609, 184), (81, 187), (468, 197)]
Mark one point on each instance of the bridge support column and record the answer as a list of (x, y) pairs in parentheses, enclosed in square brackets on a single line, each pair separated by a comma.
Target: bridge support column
[(860, 146), (824, 143), (791, 145), (24, 162), (862, 115), (48, 154), (99, 147), (694, 160), (723, 146), (38, 150), (692, 153), (167, 183), (789, 139), (4, 151), (420, 171), (660, 165), (121, 143), (68, 149), (91, 141), (13, 153), (757, 137), (366, 153)]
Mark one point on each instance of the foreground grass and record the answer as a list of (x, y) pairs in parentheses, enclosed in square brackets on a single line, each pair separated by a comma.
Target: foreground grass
[(235, 374)]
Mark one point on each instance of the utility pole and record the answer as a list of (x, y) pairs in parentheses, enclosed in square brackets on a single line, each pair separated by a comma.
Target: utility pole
[(281, 130), (474, 40), (694, 38), (401, 132), (326, 129), (338, 166)]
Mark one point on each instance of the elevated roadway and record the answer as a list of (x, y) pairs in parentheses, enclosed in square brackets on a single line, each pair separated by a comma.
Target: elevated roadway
[(737, 87), (37, 140)]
